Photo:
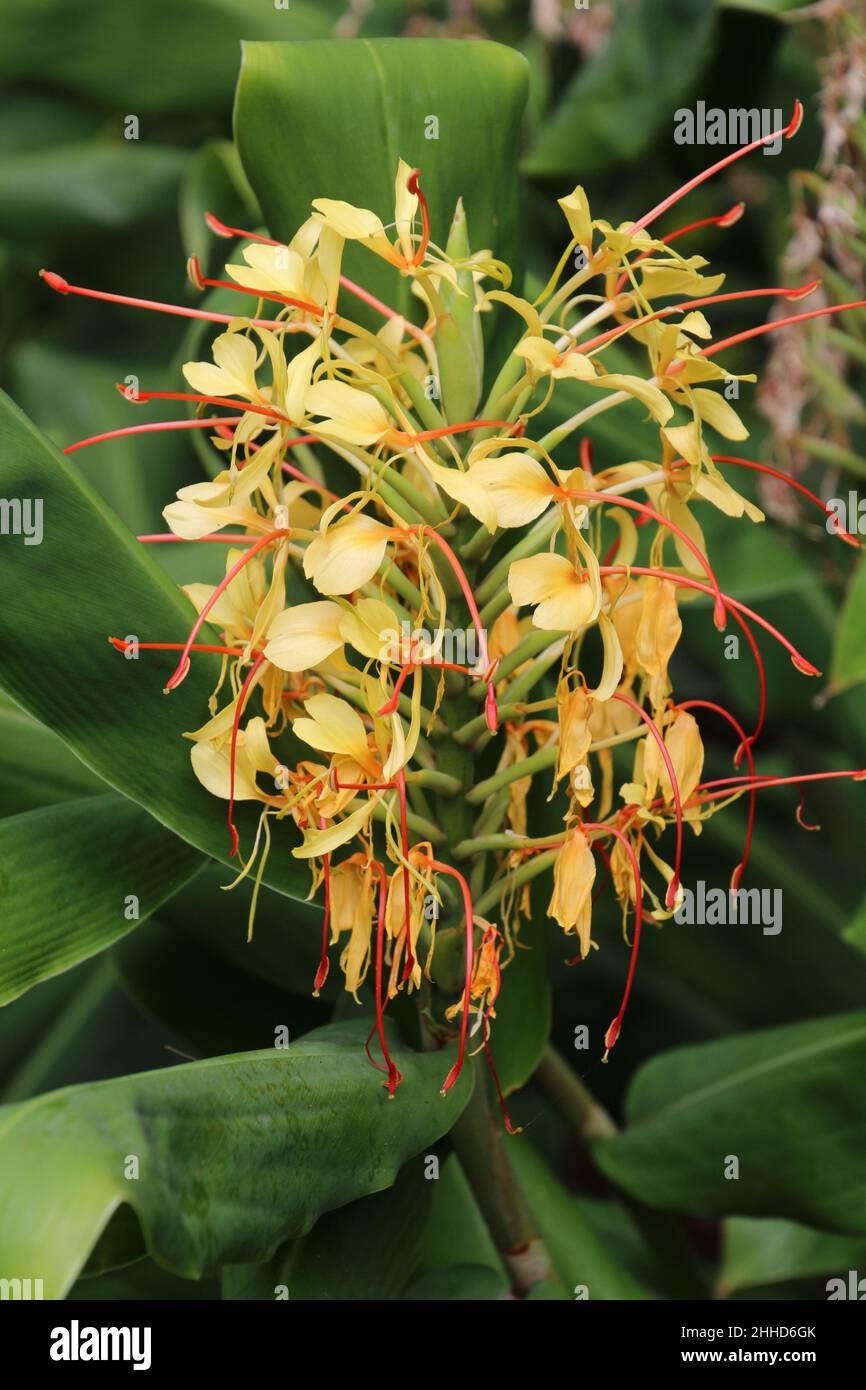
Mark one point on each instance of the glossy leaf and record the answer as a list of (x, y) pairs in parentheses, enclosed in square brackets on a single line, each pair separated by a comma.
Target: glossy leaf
[(786, 1103), (76, 877), (386, 100), (235, 1155), (88, 580)]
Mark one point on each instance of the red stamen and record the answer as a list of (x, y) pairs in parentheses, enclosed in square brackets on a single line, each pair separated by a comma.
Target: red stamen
[(745, 744), (414, 187), (798, 292), (404, 847), (780, 323), (155, 426), (461, 428), (394, 1075), (799, 661), (838, 529), (670, 897), (220, 229), (613, 1031), (510, 1127), (203, 281), (56, 282), (324, 963), (142, 398), (470, 955), (183, 665), (725, 219), (651, 514), (224, 539), (490, 711), (122, 646), (242, 699), (788, 131)]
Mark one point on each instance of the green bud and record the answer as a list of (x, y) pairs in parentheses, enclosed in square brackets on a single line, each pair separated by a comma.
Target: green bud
[(459, 339)]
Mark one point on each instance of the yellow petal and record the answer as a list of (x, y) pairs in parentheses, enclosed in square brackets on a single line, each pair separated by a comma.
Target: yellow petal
[(333, 727), (302, 636), (347, 555), (576, 209), (352, 415), (520, 487)]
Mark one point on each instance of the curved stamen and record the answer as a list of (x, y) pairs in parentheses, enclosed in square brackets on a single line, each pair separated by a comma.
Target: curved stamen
[(745, 744), (799, 661), (725, 219), (651, 514), (788, 131), (57, 282), (470, 960), (182, 668), (236, 723), (324, 963), (670, 897), (394, 1075), (414, 187)]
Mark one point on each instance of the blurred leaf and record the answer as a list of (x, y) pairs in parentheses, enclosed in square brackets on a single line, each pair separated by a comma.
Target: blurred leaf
[(181, 985), (88, 580), (848, 665), (215, 182), (361, 107), (141, 60), (619, 100), (66, 875), (72, 396), (786, 1102), (36, 768), (66, 192), (287, 939), (769, 7), (300, 1132), (770, 1252), (579, 1254), (458, 1257)]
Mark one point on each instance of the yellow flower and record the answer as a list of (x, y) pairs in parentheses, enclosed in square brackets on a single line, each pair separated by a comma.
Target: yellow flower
[(333, 726), (359, 224), (657, 635), (573, 878), (565, 599), (346, 555)]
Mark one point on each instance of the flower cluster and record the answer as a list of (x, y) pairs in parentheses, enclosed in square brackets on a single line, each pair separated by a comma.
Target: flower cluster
[(343, 713)]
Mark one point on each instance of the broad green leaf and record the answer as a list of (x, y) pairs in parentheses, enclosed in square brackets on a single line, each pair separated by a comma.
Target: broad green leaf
[(88, 580), (154, 58), (786, 1103), (366, 1250), (340, 115), (619, 100), (77, 876), (848, 665), (36, 768), (773, 1252), (235, 1155), (458, 1257)]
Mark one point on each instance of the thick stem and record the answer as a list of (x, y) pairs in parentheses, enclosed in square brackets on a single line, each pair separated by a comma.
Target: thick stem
[(481, 1147)]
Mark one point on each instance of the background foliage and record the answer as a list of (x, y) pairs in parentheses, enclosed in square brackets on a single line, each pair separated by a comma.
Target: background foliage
[(736, 1043)]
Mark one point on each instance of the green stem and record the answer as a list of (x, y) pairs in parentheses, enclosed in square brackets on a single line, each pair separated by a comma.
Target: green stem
[(532, 542), (480, 1144), (537, 762)]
